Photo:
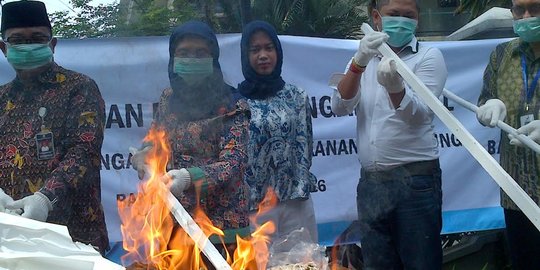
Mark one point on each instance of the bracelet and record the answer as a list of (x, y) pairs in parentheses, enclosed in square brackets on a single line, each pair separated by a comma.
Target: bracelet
[(355, 68)]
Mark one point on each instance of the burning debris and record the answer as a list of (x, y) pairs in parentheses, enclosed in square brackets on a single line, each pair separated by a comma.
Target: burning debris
[(153, 239), (297, 266)]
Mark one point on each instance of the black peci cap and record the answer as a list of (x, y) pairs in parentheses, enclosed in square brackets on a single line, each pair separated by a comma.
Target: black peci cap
[(24, 14)]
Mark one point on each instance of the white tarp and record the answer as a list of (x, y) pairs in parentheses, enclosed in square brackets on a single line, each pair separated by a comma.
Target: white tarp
[(131, 73), (27, 244)]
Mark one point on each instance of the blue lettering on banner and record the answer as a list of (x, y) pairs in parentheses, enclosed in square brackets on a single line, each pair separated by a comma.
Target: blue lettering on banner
[(323, 106), (114, 117), (125, 200), (335, 147), (116, 161), (320, 186), (493, 148), (447, 140), (445, 103)]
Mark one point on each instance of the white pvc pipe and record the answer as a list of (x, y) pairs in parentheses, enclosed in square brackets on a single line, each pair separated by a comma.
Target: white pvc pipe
[(502, 125), (196, 233), (501, 177)]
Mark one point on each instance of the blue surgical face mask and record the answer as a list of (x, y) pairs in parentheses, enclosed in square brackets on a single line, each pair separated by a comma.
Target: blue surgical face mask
[(29, 56), (193, 70), (399, 29), (528, 29)]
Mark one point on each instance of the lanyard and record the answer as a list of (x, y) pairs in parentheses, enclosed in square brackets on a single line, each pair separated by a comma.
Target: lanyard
[(528, 91)]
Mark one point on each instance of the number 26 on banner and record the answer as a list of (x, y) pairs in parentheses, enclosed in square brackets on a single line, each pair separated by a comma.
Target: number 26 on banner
[(321, 186)]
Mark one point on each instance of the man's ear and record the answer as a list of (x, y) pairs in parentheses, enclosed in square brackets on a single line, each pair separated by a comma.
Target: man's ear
[(53, 43), (3, 47)]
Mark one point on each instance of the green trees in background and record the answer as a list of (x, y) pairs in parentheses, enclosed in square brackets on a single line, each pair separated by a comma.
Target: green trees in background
[(152, 19), (477, 7), (144, 18), (320, 18), (88, 21)]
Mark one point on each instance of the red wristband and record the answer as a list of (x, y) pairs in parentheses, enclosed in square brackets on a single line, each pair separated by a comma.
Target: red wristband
[(356, 69)]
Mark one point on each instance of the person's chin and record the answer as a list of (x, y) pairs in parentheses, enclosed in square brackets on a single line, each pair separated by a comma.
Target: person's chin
[(26, 74), (32, 71), (264, 71)]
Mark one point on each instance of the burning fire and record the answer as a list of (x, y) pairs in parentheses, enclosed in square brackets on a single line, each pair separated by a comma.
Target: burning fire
[(153, 241), (254, 254)]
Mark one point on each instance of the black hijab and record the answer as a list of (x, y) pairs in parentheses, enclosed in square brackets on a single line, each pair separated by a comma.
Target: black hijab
[(193, 102), (257, 86)]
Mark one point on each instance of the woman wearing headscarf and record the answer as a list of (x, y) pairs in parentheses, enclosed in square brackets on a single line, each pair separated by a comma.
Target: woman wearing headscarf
[(206, 124), (280, 136)]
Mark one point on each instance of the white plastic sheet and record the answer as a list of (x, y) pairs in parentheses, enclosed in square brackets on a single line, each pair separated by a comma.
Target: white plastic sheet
[(27, 244)]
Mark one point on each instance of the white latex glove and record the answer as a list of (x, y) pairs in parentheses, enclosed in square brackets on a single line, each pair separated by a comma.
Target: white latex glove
[(491, 112), (388, 76), (36, 206), (368, 47), (4, 200), (138, 159), (181, 179), (531, 130)]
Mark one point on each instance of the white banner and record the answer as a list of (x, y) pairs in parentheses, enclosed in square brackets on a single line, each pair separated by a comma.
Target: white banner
[(132, 72)]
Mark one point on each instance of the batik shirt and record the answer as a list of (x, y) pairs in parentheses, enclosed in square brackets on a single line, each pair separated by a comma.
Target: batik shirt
[(213, 150), (280, 146), (73, 110), (503, 80)]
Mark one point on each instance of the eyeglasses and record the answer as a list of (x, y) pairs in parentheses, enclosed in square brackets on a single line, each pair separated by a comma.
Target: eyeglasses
[(38, 39), (197, 53), (519, 11)]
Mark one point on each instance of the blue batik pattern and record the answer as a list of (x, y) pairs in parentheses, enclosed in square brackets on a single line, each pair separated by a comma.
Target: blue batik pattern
[(280, 146)]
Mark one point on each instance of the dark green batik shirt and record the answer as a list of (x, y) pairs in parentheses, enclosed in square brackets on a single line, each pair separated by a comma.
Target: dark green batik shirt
[(503, 80)]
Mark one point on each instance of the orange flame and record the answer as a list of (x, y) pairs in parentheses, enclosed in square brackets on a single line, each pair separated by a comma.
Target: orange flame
[(253, 254), (150, 236), (334, 265), (147, 226)]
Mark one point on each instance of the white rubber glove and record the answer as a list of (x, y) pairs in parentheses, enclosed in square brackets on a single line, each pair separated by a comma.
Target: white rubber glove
[(368, 47), (531, 130), (36, 206), (388, 76), (138, 159), (181, 180), (491, 112), (4, 200)]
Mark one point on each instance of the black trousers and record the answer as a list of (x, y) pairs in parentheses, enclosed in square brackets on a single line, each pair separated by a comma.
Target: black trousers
[(523, 241)]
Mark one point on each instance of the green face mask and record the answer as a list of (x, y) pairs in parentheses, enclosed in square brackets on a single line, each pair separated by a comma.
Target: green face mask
[(193, 70), (528, 29), (399, 29), (29, 56)]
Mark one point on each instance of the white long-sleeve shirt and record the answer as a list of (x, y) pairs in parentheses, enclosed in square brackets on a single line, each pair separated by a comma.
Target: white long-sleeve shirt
[(386, 136)]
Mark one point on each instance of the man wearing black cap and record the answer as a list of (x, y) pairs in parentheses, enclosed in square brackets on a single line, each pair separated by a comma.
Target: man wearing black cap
[(51, 131)]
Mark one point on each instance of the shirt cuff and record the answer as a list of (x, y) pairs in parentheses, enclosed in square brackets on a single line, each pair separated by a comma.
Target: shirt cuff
[(51, 196), (346, 103), (197, 174)]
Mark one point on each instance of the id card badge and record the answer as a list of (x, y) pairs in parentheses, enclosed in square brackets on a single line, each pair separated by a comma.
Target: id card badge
[(45, 145), (525, 119)]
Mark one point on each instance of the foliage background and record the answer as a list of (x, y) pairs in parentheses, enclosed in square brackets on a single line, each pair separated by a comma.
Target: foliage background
[(317, 18), (320, 18)]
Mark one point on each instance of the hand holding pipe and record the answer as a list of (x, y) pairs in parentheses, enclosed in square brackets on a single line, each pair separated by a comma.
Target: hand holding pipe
[(502, 125)]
